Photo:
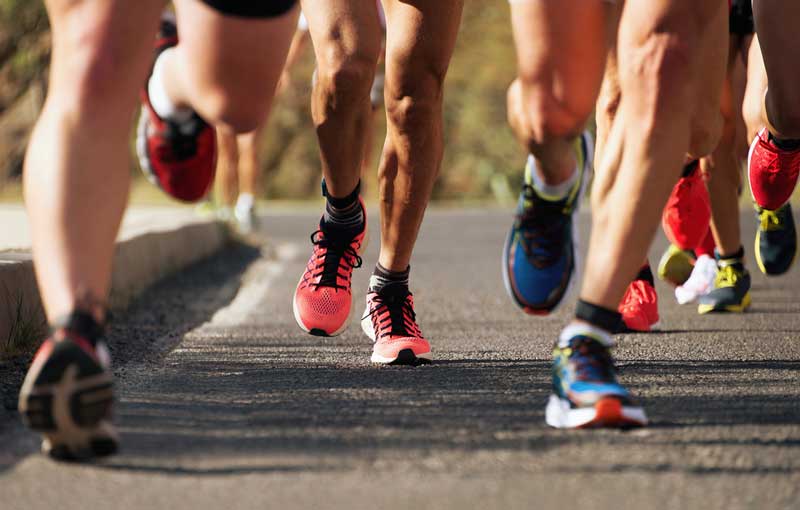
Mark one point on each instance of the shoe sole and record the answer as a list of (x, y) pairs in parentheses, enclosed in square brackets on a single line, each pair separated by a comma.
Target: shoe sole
[(576, 257), (670, 264), (606, 413), (404, 357), (740, 308), (72, 413)]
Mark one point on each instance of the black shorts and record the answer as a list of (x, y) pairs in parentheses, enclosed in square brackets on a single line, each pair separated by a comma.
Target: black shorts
[(741, 18), (252, 8)]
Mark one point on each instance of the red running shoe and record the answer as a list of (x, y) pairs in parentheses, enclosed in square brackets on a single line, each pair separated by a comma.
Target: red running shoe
[(389, 320), (772, 172), (323, 297), (639, 306), (179, 158), (688, 211)]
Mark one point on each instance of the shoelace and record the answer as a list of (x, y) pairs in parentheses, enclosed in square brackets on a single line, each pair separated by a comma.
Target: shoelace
[(592, 361), (727, 276), (542, 225), (401, 320), (330, 253), (770, 220)]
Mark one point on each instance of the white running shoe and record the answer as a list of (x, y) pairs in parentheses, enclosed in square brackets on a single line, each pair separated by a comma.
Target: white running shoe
[(700, 282)]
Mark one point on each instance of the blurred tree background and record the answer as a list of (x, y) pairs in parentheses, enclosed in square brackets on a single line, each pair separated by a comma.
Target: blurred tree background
[(482, 160)]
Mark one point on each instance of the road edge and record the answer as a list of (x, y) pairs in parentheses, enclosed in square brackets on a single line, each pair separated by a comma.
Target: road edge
[(139, 261)]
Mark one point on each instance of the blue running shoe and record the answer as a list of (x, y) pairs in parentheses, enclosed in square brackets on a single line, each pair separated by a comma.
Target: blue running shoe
[(539, 257), (585, 389)]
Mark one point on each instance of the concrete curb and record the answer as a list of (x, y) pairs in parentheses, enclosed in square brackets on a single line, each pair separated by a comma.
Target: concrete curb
[(142, 258)]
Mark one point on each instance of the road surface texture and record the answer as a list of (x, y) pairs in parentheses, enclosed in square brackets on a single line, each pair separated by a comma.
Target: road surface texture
[(225, 403)]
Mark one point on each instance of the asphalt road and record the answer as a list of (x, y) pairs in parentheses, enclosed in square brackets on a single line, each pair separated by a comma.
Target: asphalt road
[(225, 403)]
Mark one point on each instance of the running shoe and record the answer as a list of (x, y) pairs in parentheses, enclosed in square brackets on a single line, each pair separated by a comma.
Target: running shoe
[(772, 171), (776, 240), (586, 392), (323, 298), (700, 283), (688, 211), (389, 321), (67, 397), (676, 265), (180, 158), (539, 257), (639, 306), (731, 291)]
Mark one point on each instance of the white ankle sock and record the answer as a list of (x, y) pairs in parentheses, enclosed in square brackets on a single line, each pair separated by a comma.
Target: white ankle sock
[(550, 191), (245, 202), (159, 99)]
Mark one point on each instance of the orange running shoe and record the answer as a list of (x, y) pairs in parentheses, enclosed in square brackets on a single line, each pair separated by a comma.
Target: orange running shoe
[(639, 306), (688, 211), (389, 320), (323, 297)]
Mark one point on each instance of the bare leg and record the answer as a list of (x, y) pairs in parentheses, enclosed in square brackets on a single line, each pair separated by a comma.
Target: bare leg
[(249, 169), (723, 165), (416, 64), (561, 53), (347, 42), (227, 68), (753, 103), (658, 48), (76, 170), (776, 23), (227, 165)]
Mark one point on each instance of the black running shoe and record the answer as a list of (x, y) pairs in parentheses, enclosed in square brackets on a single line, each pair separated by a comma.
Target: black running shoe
[(776, 240), (731, 290), (67, 394)]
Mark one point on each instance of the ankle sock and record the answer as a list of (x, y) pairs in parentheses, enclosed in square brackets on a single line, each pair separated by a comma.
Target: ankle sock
[(382, 278), (595, 321), (81, 323), (646, 274), (552, 192), (343, 213), (690, 167), (245, 202), (735, 259), (159, 99)]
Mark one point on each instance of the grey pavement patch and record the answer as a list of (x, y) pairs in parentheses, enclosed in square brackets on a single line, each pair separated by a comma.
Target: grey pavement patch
[(249, 412)]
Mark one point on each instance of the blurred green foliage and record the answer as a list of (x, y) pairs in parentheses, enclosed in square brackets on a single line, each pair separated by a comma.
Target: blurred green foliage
[(482, 159)]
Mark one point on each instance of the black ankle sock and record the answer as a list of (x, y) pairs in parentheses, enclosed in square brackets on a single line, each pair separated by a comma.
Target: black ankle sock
[(603, 318), (735, 259), (343, 213), (785, 144), (646, 274), (690, 167), (81, 323), (383, 278)]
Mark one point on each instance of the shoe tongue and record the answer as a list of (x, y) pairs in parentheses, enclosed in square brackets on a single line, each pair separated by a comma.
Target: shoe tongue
[(393, 292), (335, 233)]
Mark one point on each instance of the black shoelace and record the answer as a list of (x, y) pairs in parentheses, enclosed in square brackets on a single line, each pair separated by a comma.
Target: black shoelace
[(593, 361), (542, 225), (401, 319), (336, 248)]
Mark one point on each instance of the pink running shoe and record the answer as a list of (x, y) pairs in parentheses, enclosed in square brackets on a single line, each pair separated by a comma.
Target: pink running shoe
[(323, 297), (772, 172), (389, 320)]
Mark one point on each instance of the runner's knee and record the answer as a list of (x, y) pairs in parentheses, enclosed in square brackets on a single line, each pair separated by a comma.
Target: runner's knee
[(539, 116), (414, 100), (345, 78)]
